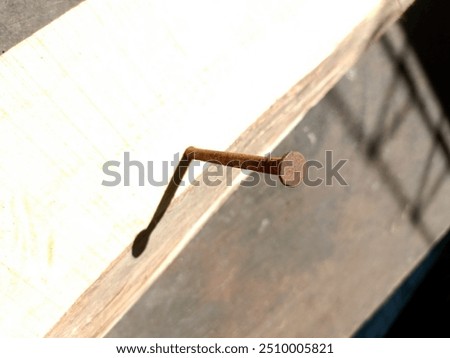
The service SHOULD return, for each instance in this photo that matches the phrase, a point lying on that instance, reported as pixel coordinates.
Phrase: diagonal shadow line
(436, 130)
(402, 68)
(386, 110)
(395, 186)
(377, 140)
(142, 239)
(425, 203)
(427, 29)
(425, 178)
(384, 130)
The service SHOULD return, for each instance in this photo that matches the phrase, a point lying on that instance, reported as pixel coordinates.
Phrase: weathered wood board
(321, 260)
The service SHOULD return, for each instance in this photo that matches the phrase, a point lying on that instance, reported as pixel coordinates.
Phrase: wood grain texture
(139, 77)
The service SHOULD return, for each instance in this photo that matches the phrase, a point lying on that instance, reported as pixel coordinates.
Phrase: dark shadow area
(427, 314)
(142, 239)
(420, 307)
(21, 18)
(427, 26)
(372, 142)
(427, 297)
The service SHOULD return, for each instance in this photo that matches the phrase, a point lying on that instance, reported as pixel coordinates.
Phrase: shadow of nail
(141, 241)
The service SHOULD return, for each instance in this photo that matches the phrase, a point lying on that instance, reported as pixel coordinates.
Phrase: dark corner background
(427, 314)
(421, 304)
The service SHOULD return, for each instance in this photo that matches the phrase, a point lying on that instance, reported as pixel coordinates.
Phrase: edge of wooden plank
(104, 303)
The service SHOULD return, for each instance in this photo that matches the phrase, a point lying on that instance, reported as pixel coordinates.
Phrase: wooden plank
(320, 260)
(138, 77)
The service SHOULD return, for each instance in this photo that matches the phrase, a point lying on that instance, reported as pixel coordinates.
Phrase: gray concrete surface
(21, 18)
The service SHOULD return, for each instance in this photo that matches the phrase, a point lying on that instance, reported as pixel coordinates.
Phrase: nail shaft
(268, 165)
(288, 168)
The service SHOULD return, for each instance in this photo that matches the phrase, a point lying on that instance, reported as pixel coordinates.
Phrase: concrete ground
(279, 249)
(21, 18)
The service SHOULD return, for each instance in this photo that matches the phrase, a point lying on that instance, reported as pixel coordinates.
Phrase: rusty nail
(289, 167)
